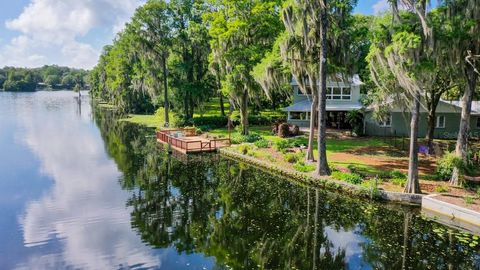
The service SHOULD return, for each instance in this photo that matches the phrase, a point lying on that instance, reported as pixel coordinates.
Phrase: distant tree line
(52, 77)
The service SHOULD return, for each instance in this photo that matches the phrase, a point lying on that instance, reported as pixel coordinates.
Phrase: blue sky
(73, 32)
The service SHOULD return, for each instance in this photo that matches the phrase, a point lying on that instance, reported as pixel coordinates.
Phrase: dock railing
(169, 136)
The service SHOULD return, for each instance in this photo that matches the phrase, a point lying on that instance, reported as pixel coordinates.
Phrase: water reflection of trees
(246, 218)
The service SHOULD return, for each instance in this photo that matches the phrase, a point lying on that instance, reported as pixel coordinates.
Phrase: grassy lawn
(145, 120)
(264, 131)
(333, 145)
(212, 108)
(350, 158)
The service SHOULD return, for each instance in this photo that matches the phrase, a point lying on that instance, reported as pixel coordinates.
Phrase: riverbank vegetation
(47, 77)
(217, 204)
(178, 58)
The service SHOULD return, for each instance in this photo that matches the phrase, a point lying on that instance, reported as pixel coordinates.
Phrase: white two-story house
(342, 96)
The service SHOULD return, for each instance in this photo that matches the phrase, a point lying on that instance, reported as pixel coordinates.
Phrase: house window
(387, 122)
(478, 122)
(440, 121)
(339, 93)
(298, 116)
(346, 93)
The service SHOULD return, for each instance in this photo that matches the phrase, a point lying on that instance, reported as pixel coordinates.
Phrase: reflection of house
(344, 96)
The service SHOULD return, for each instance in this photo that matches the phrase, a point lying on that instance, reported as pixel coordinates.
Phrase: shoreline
(327, 182)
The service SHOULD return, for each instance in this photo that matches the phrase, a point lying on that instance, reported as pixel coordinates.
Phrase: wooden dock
(186, 141)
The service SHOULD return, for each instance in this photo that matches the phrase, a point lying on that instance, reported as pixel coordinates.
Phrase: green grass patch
(351, 178)
(359, 168)
(145, 120)
(342, 145)
(302, 167)
(441, 189)
(264, 131)
(211, 108)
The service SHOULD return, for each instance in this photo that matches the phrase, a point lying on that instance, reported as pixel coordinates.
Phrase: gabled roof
(475, 106)
(443, 106)
(305, 105)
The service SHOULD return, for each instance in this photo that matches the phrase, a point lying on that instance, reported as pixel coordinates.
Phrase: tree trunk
(413, 186)
(165, 90)
(464, 130)
(431, 129)
(192, 105)
(322, 164)
(311, 135)
(222, 106)
(244, 113)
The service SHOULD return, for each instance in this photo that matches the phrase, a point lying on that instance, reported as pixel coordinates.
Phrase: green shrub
(291, 157)
(399, 181)
(352, 178)
(441, 189)
(302, 167)
(270, 158)
(205, 128)
(209, 121)
(372, 185)
(469, 200)
(446, 164)
(174, 119)
(236, 139)
(251, 138)
(262, 143)
(352, 168)
(244, 148)
(282, 145)
(355, 119)
(397, 174)
(256, 120)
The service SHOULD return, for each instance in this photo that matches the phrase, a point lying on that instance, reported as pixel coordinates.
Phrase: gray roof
(305, 105)
(475, 106)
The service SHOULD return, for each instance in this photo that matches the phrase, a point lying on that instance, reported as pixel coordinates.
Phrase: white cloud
(51, 30)
(381, 6)
(85, 209)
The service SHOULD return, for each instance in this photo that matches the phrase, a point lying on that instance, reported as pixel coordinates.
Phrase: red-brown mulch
(368, 156)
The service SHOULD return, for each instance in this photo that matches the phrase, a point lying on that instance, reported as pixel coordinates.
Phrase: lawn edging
(326, 182)
(451, 214)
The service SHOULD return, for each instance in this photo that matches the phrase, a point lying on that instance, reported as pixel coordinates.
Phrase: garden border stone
(451, 214)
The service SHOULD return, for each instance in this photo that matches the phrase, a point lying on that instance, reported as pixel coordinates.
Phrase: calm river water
(79, 190)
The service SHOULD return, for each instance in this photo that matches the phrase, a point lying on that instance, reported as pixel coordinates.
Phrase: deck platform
(186, 141)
